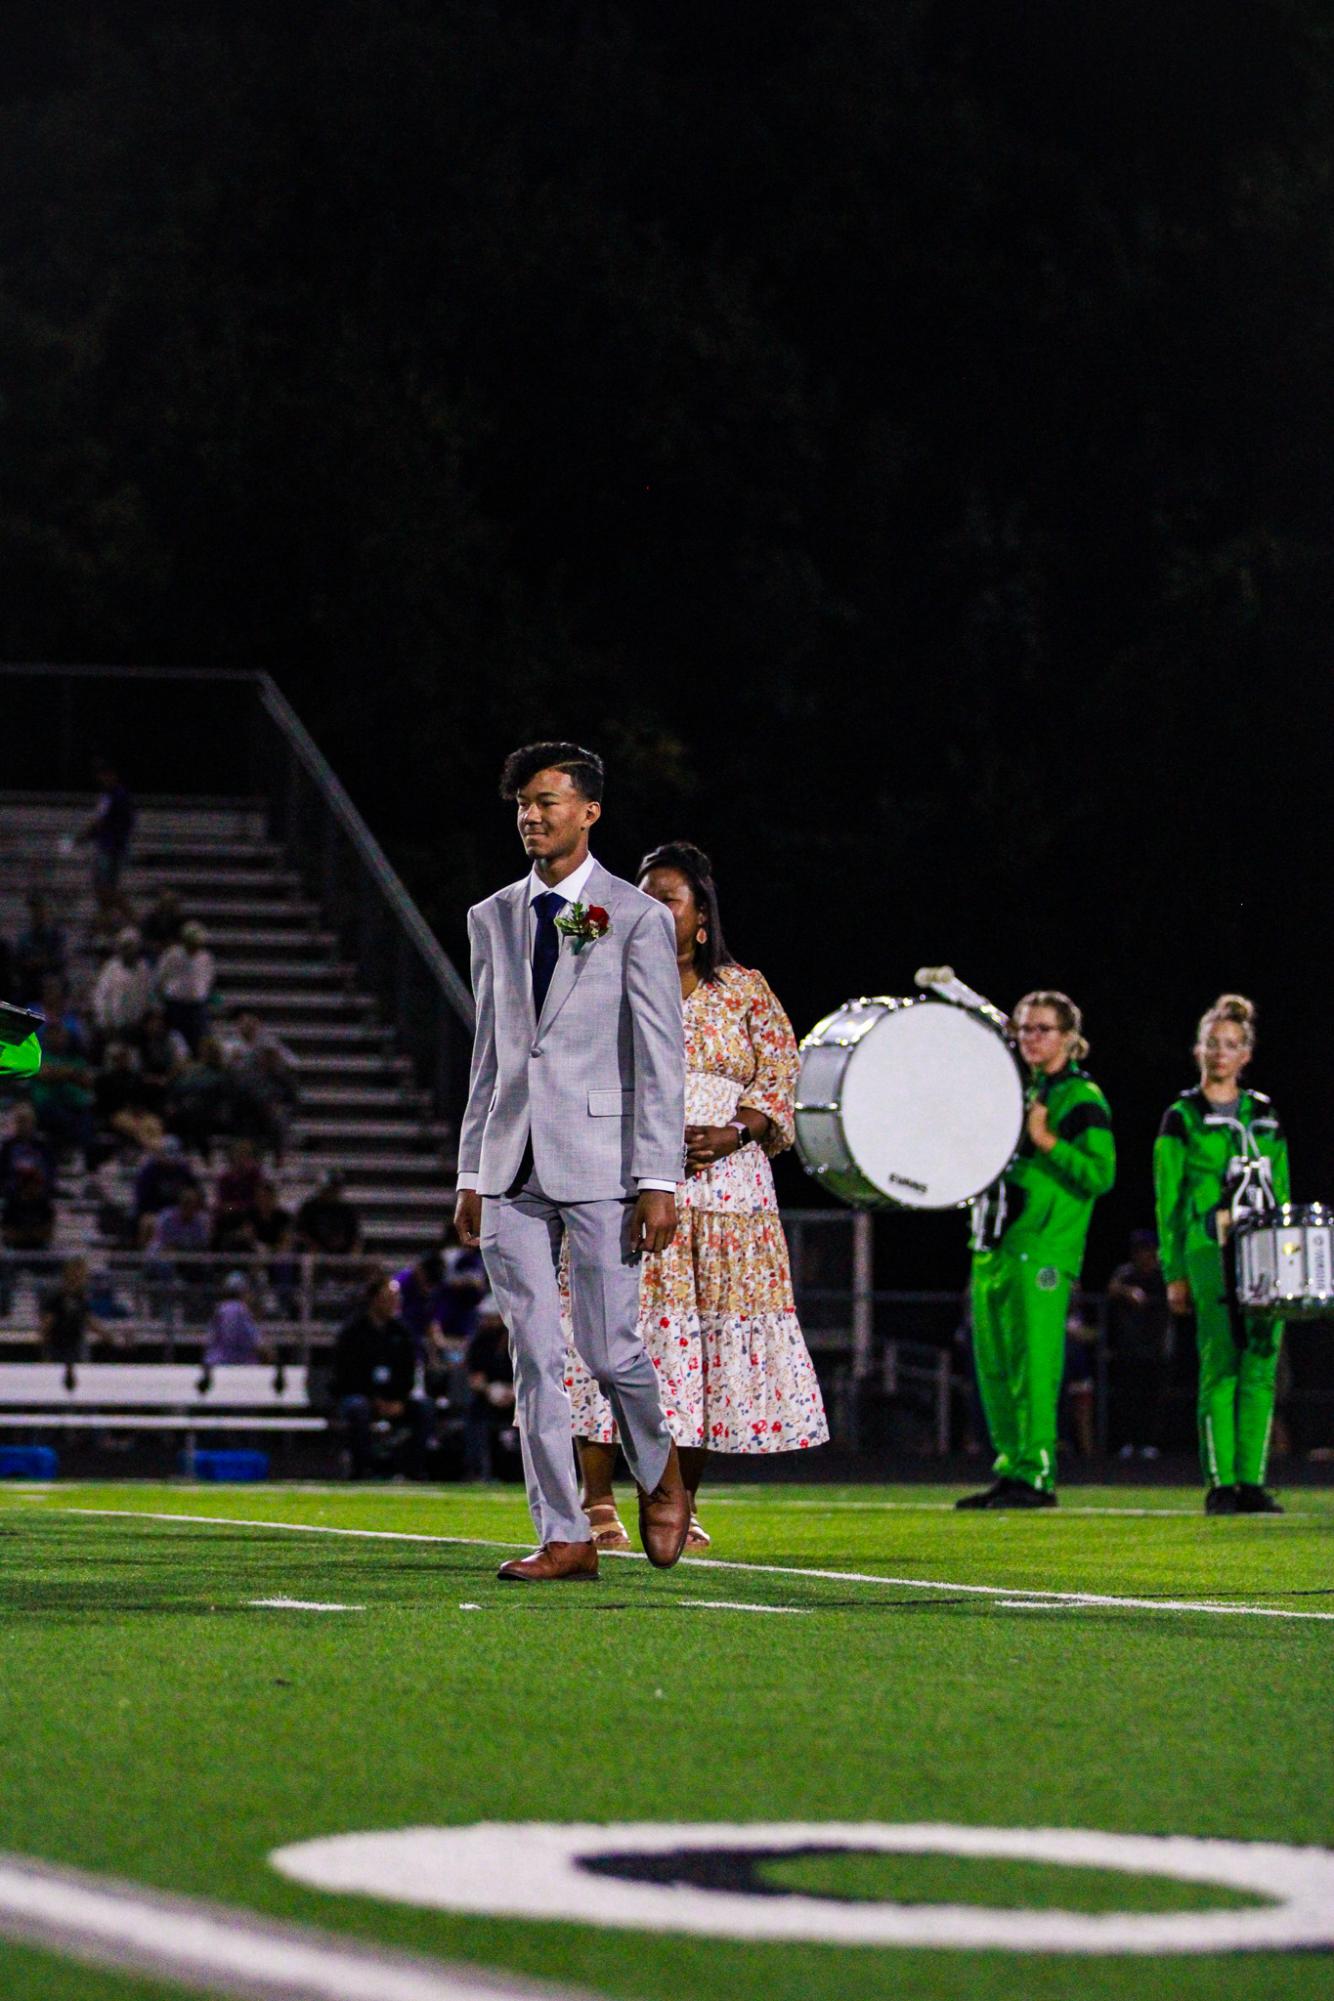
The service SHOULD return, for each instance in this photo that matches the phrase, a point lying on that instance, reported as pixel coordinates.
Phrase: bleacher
(277, 954)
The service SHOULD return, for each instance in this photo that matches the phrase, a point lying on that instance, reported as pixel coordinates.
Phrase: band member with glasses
(1028, 1247)
(1211, 1140)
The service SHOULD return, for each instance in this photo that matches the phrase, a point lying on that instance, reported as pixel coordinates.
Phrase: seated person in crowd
(234, 1196)
(198, 1099)
(25, 1147)
(162, 923)
(185, 977)
(123, 990)
(174, 1234)
(119, 1087)
(160, 1183)
(163, 1052)
(326, 1222)
(39, 951)
(490, 1421)
(62, 1092)
(66, 1315)
(421, 1303)
(1140, 1339)
(110, 918)
(234, 1336)
(271, 1233)
(57, 1004)
(374, 1373)
(27, 1226)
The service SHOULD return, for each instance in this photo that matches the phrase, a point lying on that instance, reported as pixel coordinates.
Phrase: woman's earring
(701, 937)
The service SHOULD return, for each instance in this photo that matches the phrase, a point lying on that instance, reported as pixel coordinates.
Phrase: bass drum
(908, 1104)
(1285, 1261)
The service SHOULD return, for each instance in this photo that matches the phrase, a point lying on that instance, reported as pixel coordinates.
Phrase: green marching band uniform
(21, 1059)
(1028, 1247)
(1196, 1158)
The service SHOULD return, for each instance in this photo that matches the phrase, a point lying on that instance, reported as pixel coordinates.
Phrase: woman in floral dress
(717, 1313)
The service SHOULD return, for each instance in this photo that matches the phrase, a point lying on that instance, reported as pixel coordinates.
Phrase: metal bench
(155, 1396)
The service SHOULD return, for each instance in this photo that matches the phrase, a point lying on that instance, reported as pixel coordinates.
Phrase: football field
(866, 1747)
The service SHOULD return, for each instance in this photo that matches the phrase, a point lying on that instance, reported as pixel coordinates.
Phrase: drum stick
(942, 980)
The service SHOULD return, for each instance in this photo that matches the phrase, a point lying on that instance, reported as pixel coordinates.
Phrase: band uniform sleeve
(1169, 1176)
(1084, 1156)
(21, 1059)
(1282, 1176)
(773, 1088)
(482, 1076)
(653, 988)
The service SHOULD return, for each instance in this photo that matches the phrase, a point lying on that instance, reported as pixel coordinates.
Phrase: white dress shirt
(571, 888)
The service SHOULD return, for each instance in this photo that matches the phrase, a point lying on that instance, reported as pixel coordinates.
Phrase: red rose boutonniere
(584, 926)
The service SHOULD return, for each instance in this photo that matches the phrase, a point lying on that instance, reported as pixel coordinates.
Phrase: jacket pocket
(611, 1104)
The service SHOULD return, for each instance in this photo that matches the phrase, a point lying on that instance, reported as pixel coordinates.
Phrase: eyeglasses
(1037, 1028)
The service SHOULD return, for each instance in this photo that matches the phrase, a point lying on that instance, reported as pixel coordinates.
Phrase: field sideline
(194, 1677)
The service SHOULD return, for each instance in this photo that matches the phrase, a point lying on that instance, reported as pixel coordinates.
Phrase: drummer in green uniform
(1215, 1141)
(1028, 1247)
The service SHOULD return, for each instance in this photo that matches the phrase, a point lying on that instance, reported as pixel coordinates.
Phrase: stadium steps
(359, 1109)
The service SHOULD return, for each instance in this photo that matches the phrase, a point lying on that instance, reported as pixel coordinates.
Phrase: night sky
(898, 436)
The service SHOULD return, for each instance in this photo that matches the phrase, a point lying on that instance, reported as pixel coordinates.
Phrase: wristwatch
(740, 1126)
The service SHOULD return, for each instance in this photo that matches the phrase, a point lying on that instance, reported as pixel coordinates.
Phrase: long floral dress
(716, 1310)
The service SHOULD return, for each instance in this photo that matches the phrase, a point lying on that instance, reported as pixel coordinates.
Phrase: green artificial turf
(155, 1726)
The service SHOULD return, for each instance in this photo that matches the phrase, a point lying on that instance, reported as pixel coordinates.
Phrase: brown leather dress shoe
(664, 1516)
(554, 1563)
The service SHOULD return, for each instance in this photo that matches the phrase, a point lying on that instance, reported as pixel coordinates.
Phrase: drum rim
(1285, 1216)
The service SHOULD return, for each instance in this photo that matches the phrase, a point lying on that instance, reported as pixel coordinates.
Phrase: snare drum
(908, 1104)
(1285, 1261)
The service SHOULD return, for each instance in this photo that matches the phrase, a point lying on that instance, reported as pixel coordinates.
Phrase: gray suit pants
(521, 1243)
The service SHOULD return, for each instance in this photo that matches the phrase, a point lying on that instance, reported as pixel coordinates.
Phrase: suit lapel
(570, 964)
(516, 932)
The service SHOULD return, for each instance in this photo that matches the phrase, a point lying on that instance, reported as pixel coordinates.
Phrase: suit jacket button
(535, 1052)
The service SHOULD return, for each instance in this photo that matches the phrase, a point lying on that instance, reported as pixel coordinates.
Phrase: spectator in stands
(271, 1234)
(374, 1372)
(109, 830)
(198, 1099)
(490, 1420)
(57, 1004)
(163, 1052)
(119, 1087)
(111, 917)
(27, 1226)
(422, 1304)
(39, 952)
(62, 1093)
(176, 1232)
(234, 1335)
(124, 989)
(326, 1222)
(234, 1197)
(186, 975)
(162, 924)
(1140, 1334)
(66, 1316)
(1080, 1377)
(159, 1184)
(25, 1147)
(246, 1042)
(264, 1100)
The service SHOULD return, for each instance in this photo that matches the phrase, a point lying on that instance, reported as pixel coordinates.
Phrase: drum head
(932, 1105)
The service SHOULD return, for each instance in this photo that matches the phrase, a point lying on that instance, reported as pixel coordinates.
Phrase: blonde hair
(1067, 1014)
(1229, 1007)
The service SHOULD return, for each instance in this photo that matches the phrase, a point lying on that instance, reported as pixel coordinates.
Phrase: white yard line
(737, 1605)
(188, 1942)
(1204, 1605)
(300, 1605)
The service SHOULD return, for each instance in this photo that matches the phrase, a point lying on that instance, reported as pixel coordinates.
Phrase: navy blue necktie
(546, 945)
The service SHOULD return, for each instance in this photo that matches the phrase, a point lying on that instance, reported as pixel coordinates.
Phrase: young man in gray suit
(575, 1128)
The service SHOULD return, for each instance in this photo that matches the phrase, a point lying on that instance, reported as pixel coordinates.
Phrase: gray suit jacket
(599, 1083)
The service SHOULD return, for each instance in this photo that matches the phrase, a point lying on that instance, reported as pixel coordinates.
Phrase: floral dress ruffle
(717, 1314)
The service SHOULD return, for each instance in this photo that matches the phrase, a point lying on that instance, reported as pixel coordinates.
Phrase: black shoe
(1222, 1501)
(1018, 1494)
(1256, 1501)
(986, 1499)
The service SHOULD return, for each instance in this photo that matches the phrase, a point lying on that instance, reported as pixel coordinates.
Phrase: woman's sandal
(607, 1526)
(696, 1536)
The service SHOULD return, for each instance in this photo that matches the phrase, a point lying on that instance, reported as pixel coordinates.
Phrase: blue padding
(231, 1466)
(28, 1462)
